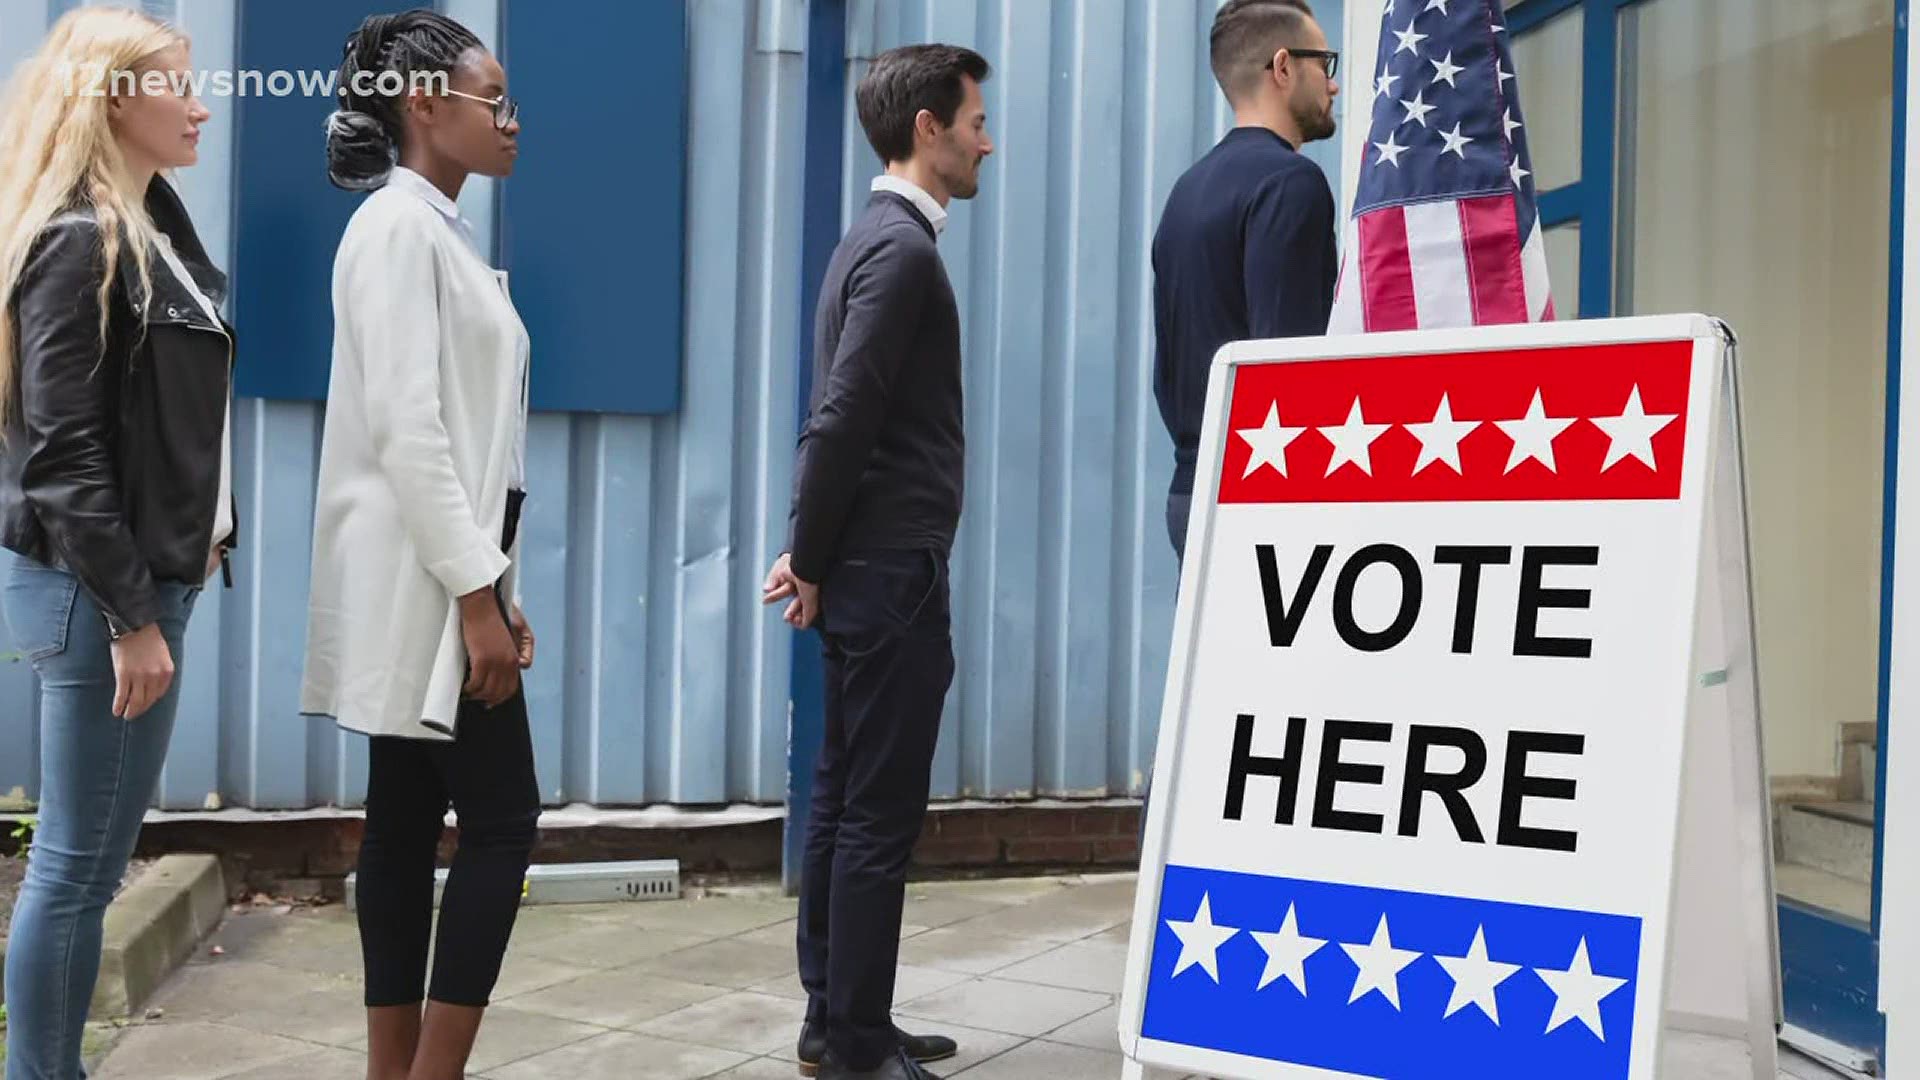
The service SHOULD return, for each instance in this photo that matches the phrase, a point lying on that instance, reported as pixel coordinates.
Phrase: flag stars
(1507, 121)
(1384, 85)
(1390, 152)
(1456, 143)
(1437, 5)
(1409, 40)
(1514, 170)
(1504, 76)
(1445, 70)
(1417, 109)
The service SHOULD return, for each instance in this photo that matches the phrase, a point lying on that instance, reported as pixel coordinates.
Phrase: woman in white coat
(413, 637)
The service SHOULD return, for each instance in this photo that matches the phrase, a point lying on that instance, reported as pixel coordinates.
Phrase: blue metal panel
(826, 87)
(1830, 972)
(591, 219)
(288, 216)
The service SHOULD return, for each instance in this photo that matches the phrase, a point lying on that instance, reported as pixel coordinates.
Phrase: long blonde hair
(60, 150)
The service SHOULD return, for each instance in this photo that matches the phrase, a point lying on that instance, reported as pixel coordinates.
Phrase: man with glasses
(1245, 247)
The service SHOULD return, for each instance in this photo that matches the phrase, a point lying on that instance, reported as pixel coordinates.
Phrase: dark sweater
(1244, 250)
(882, 454)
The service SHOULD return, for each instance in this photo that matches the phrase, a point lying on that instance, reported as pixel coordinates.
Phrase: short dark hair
(1246, 34)
(905, 80)
(364, 134)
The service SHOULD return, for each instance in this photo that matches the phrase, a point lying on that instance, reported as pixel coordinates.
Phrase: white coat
(425, 422)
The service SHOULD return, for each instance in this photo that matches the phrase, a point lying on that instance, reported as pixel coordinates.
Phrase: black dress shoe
(921, 1048)
(898, 1067)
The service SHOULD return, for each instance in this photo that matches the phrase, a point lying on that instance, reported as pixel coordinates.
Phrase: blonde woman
(114, 477)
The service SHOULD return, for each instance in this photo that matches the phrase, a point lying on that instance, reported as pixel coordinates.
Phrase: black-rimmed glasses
(505, 109)
(1329, 59)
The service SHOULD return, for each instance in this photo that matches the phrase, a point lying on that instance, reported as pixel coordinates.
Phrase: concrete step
(1819, 889)
(1832, 836)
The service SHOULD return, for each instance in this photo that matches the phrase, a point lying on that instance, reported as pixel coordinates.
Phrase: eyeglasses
(1329, 59)
(505, 109)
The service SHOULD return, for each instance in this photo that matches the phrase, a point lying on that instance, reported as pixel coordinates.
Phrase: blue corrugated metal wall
(661, 679)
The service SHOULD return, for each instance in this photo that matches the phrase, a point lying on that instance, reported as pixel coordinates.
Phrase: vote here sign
(1416, 797)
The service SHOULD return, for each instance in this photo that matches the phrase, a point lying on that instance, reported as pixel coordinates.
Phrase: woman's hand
(142, 671)
(493, 662)
(522, 637)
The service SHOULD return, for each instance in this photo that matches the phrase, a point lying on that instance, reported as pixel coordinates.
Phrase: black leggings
(486, 774)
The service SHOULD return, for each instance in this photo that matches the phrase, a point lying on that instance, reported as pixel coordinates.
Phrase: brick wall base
(311, 857)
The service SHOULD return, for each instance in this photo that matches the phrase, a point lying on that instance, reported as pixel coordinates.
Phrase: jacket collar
(173, 300)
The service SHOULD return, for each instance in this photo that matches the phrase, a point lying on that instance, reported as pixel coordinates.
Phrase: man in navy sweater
(876, 500)
(1245, 246)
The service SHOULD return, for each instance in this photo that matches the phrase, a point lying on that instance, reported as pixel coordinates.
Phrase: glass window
(1756, 142)
(1563, 269)
(1549, 59)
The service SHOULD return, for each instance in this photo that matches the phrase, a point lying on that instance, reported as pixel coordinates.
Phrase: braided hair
(365, 133)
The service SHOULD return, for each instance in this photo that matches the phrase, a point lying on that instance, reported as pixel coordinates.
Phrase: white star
(1632, 432)
(1385, 84)
(1417, 109)
(1388, 14)
(1577, 992)
(1351, 441)
(1440, 437)
(1445, 70)
(1287, 952)
(1390, 152)
(1533, 434)
(1504, 76)
(1456, 143)
(1409, 41)
(1269, 442)
(1510, 123)
(1380, 965)
(1200, 940)
(1437, 5)
(1474, 978)
(1517, 172)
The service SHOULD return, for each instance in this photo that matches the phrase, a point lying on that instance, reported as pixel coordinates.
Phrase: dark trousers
(886, 624)
(486, 775)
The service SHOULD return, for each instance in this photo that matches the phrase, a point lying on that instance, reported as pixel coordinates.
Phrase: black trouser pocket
(872, 598)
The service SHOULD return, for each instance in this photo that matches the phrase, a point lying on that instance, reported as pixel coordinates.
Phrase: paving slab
(1024, 973)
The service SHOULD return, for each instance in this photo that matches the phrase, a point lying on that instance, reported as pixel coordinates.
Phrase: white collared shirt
(223, 509)
(407, 180)
(935, 214)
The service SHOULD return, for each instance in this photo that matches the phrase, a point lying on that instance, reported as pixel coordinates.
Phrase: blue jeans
(97, 777)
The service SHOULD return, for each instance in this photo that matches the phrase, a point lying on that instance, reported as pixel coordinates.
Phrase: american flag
(1446, 227)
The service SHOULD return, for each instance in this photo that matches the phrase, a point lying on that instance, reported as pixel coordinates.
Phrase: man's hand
(782, 584)
(493, 661)
(522, 637)
(142, 671)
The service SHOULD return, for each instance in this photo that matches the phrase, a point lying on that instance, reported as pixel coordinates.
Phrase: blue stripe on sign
(1440, 1027)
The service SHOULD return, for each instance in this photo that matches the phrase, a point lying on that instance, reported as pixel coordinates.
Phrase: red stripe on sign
(1386, 272)
(1546, 423)
(1490, 227)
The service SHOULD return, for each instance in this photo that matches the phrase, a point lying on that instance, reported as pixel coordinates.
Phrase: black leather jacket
(111, 462)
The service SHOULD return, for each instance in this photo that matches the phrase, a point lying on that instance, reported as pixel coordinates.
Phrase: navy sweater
(1245, 249)
(882, 455)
